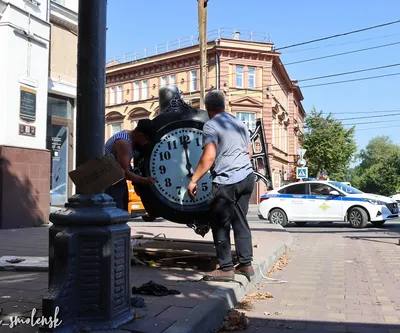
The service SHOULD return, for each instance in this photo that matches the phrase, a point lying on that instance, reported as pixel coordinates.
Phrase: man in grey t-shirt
(227, 152)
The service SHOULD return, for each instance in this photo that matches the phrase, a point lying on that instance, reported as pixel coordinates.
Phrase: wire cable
(338, 35)
(342, 53)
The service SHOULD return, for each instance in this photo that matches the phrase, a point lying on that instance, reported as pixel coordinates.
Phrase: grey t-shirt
(232, 163)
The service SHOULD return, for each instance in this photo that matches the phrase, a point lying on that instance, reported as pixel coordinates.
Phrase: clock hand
(188, 165)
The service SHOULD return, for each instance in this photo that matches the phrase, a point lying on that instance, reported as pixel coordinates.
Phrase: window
(163, 81)
(136, 89)
(115, 128)
(249, 119)
(295, 189)
(346, 188)
(112, 95)
(144, 89)
(119, 94)
(320, 189)
(172, 79)
(252, 78)
(273, 130)
(239, 76)
(193, 80)
(286, 148)
(60, 107)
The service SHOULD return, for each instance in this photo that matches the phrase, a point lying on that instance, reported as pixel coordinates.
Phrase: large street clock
(172, 158)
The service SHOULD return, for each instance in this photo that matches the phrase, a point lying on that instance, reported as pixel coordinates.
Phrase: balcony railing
(181, 43)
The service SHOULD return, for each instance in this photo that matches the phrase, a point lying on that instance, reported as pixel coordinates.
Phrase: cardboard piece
(96, 175)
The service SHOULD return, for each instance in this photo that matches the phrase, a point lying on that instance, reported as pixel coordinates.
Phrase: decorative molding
(63, 16)
(247, 102)
(114, 116)
(138, 112)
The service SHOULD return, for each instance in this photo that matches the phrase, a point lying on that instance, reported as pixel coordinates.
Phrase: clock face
(173, 161)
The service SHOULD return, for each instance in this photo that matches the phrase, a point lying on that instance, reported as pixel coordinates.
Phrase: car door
(323, 205)
(296, 201)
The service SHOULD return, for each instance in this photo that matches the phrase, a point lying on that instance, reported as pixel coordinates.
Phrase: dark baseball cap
(324, 172)
(146, 126)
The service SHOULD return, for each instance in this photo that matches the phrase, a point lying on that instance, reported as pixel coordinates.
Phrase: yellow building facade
(252, 76)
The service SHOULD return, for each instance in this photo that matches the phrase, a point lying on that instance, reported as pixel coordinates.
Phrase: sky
(134, 25)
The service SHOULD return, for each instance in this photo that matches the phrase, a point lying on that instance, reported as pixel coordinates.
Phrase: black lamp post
(89, 241)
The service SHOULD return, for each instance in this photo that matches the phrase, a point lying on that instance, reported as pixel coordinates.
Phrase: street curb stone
(205, 317)
(29, 264)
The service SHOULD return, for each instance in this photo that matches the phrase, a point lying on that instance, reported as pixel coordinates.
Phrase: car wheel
(278, 216)
(148, 218)
(378, 223)
(301, 224)
(358, 217)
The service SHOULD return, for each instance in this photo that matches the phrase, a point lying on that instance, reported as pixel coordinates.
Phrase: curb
(28, 264)
(205, 317)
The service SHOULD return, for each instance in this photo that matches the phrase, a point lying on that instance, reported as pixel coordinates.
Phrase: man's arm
(207, 160)
(122, 148)
(249, 146)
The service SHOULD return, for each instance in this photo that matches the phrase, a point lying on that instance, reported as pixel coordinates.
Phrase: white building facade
(32, 84)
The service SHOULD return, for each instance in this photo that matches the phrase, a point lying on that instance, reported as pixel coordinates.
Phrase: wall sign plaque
(27, 130)
(27, 109)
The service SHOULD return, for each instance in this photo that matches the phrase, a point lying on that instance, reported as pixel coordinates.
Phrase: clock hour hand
(188, 165)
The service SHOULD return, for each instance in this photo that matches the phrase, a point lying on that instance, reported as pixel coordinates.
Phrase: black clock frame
(154, 202)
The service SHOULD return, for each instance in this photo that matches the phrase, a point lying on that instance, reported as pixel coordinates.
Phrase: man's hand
(148, 180)
(192, 190)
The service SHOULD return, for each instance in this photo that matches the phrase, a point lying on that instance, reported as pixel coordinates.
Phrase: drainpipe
(217, 65)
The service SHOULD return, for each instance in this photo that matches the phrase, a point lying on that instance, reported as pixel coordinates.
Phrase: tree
(329, 145)
(379, 169)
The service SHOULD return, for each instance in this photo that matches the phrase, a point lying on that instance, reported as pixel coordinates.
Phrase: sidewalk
(200, 307)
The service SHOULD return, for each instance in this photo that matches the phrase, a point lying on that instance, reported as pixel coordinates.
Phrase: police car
(329, 201)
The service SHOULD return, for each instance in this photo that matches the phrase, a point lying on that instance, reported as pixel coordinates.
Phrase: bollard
(89, 265)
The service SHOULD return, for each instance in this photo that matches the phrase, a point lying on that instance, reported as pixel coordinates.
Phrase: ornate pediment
(114, 115)
(247, 102)
(138, 113)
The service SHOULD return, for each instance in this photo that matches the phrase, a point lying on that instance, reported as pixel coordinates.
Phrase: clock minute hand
(188, 165)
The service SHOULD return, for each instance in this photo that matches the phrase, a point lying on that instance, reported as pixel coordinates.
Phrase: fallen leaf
(234, 321)
(267, 313)
(289, 305)
(278, 313)
(282, 262)
(260, 296)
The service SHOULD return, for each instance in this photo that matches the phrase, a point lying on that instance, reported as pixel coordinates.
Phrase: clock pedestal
(89, 264)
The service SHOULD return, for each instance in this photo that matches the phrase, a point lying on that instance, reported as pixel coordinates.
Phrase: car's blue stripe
(314, 197)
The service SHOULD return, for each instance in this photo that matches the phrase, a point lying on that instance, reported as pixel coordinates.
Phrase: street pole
(202, 13)
(89, 241)
(90, 120)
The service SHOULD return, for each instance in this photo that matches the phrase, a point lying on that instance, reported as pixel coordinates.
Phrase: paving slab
(199, 308)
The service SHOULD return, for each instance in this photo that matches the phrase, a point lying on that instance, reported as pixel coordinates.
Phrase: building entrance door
(60, 143)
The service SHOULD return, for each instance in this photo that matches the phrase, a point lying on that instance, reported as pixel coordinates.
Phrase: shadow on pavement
(274, 325)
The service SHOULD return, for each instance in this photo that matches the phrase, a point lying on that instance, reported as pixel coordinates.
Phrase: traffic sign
(301, 173)
(301, 153)
(301, 163)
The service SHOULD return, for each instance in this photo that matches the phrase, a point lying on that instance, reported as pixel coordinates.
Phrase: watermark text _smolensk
(50, 322)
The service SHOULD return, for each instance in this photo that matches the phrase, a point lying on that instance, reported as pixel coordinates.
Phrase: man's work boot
(220, 275)
(246, 270)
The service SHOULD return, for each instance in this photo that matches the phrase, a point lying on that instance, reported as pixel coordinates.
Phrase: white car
(319, 201)
(396, 197)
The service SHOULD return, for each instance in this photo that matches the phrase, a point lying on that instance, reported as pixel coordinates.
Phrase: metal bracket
(260, 155)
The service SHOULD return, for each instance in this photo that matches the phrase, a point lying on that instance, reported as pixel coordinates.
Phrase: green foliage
(379, 170)
(329, 145)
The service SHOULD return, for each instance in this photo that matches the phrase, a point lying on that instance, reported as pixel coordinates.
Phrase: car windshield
(346, 188)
